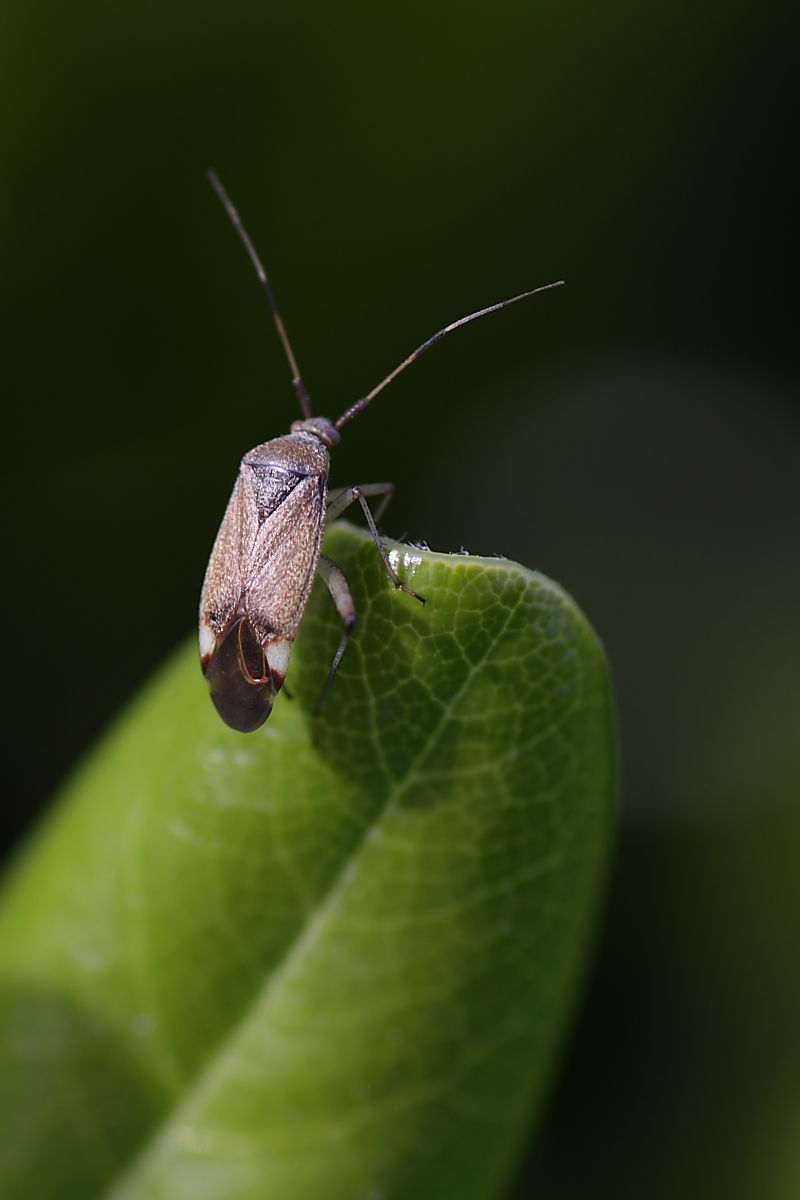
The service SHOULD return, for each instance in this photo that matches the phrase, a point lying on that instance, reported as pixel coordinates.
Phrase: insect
(267, 551)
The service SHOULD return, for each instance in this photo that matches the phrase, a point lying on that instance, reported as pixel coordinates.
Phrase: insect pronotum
(267, 551)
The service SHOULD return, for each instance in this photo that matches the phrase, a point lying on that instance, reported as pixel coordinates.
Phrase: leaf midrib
(204, 1079)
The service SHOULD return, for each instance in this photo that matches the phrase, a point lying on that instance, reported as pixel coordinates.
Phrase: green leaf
(242, 966)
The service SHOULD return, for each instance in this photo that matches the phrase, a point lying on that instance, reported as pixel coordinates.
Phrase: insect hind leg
(344, 497)
(341, 595)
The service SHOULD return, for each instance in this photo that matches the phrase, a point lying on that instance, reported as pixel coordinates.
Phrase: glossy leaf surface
(246, 966)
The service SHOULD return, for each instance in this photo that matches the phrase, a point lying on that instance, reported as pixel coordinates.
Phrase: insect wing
(257, 586)
(280, 567)
(224, 582)
(239, 678)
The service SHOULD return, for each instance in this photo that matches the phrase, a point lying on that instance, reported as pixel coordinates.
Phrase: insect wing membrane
(239, 678)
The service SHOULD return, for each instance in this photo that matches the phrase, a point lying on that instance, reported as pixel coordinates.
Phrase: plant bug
(267, 551)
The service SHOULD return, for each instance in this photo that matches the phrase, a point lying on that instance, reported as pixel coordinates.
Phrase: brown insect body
(267, 551)
(261, 570)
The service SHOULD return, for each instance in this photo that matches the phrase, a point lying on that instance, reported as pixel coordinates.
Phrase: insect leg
(340, 498)
(340, 593)
(346, 496)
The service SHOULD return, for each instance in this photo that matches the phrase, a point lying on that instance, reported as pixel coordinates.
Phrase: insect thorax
(320, 427)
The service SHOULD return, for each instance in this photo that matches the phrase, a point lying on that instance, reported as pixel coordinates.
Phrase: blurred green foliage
(635, 435)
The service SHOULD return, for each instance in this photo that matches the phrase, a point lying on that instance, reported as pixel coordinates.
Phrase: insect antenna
(297, 382)
(361, 404)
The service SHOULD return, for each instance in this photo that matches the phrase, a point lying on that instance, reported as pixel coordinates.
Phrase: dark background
(635, 435)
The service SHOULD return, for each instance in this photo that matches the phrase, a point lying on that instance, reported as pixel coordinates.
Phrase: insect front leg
(341, 498)
(344, 497)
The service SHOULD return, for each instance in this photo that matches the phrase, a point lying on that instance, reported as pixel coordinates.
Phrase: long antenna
(361, 404)
(297, 382)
